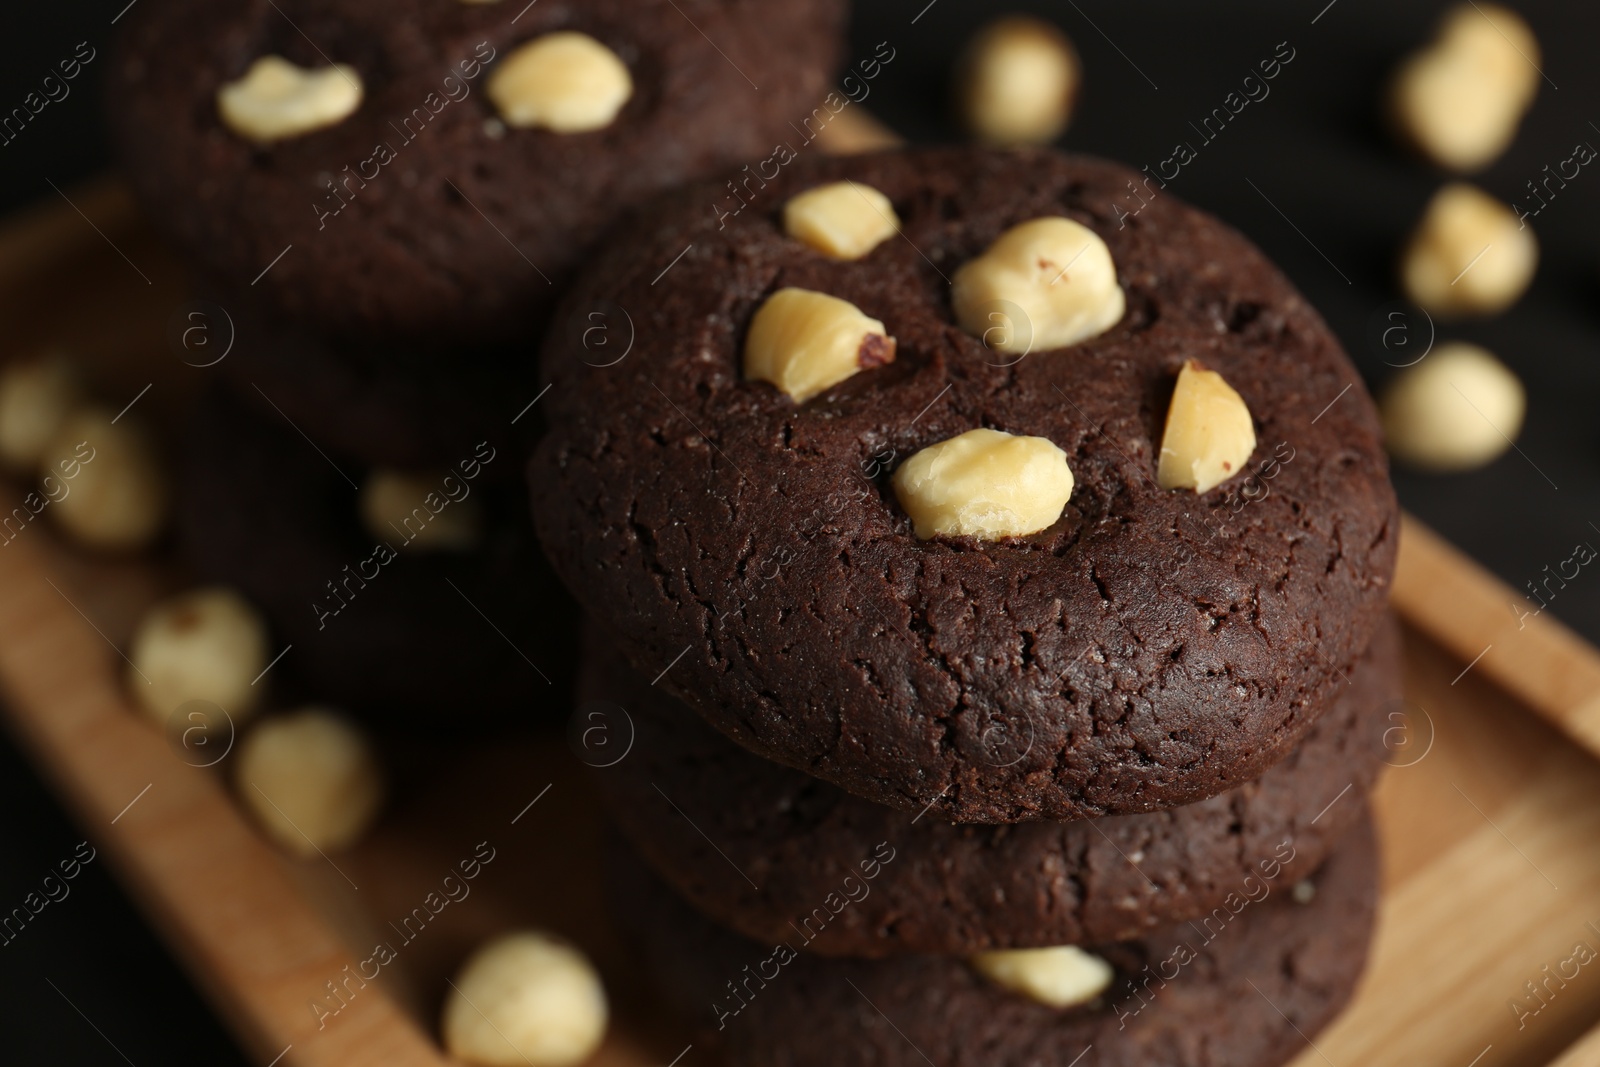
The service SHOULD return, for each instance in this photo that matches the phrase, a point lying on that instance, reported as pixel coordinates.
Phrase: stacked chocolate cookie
(994, 585)
(381, 202)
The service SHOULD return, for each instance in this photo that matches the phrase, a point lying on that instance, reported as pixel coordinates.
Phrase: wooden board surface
(1489, 818)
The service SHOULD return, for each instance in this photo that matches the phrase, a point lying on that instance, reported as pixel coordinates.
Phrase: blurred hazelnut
(843, 220)
(311, 780)
(34, 398)
(1458, 409)
(525, 999)
(419, 510)
(276, 100)
(107, 488)
(1459, 100)
(567, 82)
(206, 644)
(1468, 255)
(1017, 82)
(1061, 976)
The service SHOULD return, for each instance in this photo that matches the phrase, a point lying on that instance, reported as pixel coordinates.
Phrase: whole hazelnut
(34, 399)
(1469, 255)
(107, 488)
(206, 644)
(1458, 409)
(311, 779)
(523, 999)
(1017, 81)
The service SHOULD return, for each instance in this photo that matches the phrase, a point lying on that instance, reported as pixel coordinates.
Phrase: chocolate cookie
(1151, 647)
(1248, 986)
(388, 629)
(396, 194)
(382, 404)
(699, 809)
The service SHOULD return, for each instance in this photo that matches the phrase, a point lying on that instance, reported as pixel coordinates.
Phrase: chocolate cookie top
(1246, 987)
(392, 631)
(698, 808)
(418, 209)
(1149, 648)
(376, 404)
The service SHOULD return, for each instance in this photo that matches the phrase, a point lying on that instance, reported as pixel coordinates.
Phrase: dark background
(1315, 147)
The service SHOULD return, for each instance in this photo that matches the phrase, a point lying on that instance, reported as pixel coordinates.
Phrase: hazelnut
(311, 780)
(843, 220)
(1460, 99)
(206, 644)
(525, 1000)
(106, 487)
(984, 484)
(276, 100)
(419, 510)
(805, 342)
(1209, 434)
(567, 82)
(1017, 80)
(1457, 409)
(1062, 976)
(1468, 255)
(34, 398)
(1044, 284)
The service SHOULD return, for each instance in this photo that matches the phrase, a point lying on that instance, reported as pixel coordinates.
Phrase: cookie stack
(381, 202)
(994, 586)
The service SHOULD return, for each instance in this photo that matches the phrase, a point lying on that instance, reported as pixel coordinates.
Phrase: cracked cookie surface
(422, 216)
(1149, 649)
(954, 889)
(1245, 987)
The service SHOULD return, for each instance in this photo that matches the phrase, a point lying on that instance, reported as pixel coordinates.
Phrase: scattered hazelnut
(276, 100)
(311, 780)
(1468, 255)
(34, 398)
(106, 487)
(1457, 409)
(844, 220)
(206, 644)
(1062, 976)
(1017, 81)
(984, 484)
(1209, 434)
(417, 509)
(1460, 99)
(567, 82)
(805, 342)
(525, 1000)
(1044, 284)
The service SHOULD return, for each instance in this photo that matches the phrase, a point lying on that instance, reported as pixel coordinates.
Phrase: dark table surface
(1308, 172)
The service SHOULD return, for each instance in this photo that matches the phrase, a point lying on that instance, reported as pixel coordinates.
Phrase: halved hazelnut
(1209, 435)
(842, 220)
(804, 342)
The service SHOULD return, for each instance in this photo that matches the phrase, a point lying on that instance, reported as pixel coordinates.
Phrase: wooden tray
(1489, 818)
